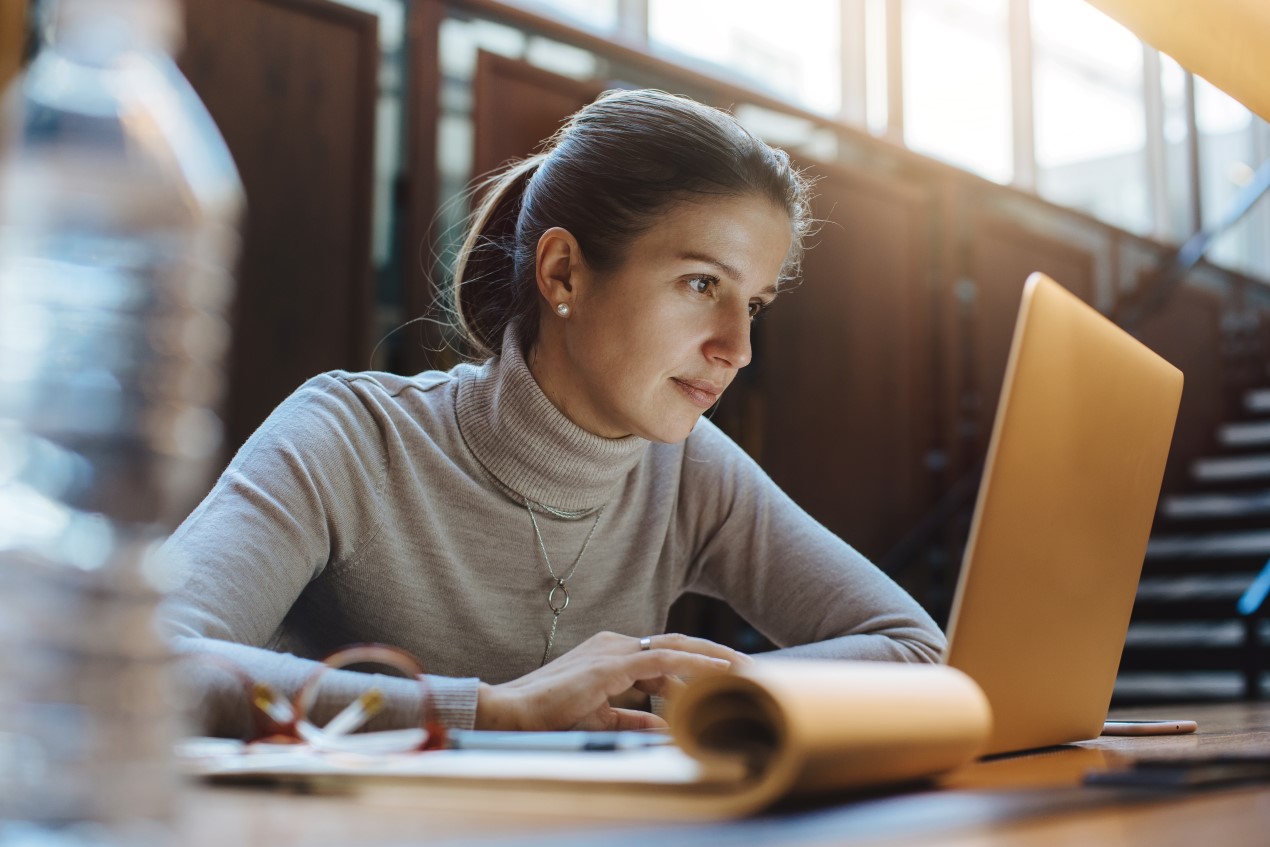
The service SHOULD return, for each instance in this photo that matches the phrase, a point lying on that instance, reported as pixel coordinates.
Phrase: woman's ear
(558, 268)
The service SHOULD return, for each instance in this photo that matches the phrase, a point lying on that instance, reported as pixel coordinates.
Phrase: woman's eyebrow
(710, 260)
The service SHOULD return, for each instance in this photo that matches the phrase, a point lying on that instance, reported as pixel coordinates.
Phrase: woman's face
(648, 348)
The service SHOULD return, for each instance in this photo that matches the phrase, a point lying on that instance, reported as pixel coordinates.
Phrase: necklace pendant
(558, 605)
(554, 603)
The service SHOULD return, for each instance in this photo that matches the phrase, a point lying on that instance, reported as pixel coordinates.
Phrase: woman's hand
(573, 691)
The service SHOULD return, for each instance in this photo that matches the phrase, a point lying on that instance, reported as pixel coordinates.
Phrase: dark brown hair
(605, 176)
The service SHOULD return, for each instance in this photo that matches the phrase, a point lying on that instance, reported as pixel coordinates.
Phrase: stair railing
(1252, 608)
(1154, 295)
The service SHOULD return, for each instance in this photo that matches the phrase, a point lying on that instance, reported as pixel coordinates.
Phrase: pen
(567, 741)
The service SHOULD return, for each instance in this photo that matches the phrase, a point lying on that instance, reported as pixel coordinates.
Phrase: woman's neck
(529, 444)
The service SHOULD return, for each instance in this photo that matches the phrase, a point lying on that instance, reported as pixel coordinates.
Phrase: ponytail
(487, 287)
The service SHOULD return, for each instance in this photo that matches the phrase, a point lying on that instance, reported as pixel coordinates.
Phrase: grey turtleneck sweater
(373, 507)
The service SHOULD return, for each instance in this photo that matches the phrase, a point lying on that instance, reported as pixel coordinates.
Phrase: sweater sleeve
(805, 589)
(300, 497)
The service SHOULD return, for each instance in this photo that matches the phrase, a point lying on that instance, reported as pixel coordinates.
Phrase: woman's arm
(302, 495)
(804, 588)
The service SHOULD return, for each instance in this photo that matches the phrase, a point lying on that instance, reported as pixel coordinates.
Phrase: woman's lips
(700, 391)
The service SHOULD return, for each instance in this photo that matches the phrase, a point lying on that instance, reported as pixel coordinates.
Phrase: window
(957, 83)
(1229, 138)
(789, 50)
(1177, 169)
(1090, 114)
(599, 15)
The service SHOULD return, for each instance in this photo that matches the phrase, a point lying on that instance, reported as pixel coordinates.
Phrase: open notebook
(743, 741)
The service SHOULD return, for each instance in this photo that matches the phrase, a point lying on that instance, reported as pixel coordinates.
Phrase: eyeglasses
(277, 720)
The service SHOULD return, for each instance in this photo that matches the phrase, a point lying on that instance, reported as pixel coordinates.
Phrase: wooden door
(292, 86)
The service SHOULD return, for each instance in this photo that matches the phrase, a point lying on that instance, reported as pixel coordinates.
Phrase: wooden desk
(1029, 800)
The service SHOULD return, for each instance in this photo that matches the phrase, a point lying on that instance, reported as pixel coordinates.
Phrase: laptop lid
(1060, 528)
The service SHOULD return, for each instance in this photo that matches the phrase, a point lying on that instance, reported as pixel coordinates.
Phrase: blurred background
(959, 144)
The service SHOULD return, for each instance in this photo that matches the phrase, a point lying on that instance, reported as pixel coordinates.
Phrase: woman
(523, 525)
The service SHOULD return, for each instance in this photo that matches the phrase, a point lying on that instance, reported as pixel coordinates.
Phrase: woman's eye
(702, 284)
(757, 308)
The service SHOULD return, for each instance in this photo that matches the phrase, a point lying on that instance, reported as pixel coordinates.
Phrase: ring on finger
(646, 643)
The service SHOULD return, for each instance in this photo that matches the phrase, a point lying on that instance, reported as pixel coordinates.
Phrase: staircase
(1197, 624)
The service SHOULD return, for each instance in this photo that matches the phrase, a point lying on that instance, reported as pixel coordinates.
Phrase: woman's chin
(673, 432)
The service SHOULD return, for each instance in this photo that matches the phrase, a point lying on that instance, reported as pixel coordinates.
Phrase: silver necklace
(558, 604)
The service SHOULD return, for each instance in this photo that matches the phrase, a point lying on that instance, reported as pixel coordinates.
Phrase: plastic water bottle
(119, 206)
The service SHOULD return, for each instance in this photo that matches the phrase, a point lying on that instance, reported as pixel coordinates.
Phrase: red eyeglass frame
(277, 720)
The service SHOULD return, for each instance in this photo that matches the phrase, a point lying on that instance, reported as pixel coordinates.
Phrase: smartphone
(1148, 727)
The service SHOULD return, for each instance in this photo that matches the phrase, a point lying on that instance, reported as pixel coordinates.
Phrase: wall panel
(845, 363)
(420, 283)
(1000, 254)
(292, 85)
(517, 106)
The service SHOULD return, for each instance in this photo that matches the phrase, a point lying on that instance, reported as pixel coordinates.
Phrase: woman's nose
(730, 343)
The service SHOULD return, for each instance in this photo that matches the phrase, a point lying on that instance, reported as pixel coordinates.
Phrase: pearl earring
(562, 309)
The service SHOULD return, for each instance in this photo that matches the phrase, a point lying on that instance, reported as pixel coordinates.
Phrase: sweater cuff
(453, 700)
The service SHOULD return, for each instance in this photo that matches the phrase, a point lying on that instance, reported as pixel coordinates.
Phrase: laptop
(1060, 528)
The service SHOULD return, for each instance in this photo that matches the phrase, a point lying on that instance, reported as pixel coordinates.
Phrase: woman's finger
(692, 644)
(633, 719)
(651, 664)
(662, 686)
